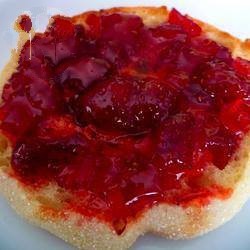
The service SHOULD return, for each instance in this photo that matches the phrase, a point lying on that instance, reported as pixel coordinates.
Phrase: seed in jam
(125, 116)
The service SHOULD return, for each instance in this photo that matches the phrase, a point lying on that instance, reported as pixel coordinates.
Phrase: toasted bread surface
(43, 207)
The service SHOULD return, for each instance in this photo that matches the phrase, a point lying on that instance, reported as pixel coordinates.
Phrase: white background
(231, 16)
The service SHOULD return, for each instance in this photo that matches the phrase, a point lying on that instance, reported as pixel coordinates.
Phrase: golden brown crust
(151, 15)
(237, 47)
(168, 220)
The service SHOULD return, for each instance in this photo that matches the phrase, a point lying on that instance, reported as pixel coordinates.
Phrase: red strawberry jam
(25, 23)
(125, 116)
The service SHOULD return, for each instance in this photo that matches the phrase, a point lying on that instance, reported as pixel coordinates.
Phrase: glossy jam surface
(125, 116)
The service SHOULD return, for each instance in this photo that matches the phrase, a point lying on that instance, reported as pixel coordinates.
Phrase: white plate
(232, 16)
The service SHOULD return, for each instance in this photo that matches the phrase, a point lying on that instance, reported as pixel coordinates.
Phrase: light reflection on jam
(123, 115)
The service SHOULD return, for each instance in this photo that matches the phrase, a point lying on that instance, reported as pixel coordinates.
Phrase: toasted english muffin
(43, 206)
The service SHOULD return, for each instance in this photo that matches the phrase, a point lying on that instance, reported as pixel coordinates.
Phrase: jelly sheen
(125, 116)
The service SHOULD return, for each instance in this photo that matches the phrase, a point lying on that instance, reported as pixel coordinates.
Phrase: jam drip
(125, 116)
(25, 23)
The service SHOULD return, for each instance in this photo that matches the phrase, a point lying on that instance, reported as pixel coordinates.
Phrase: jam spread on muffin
(125, 116)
